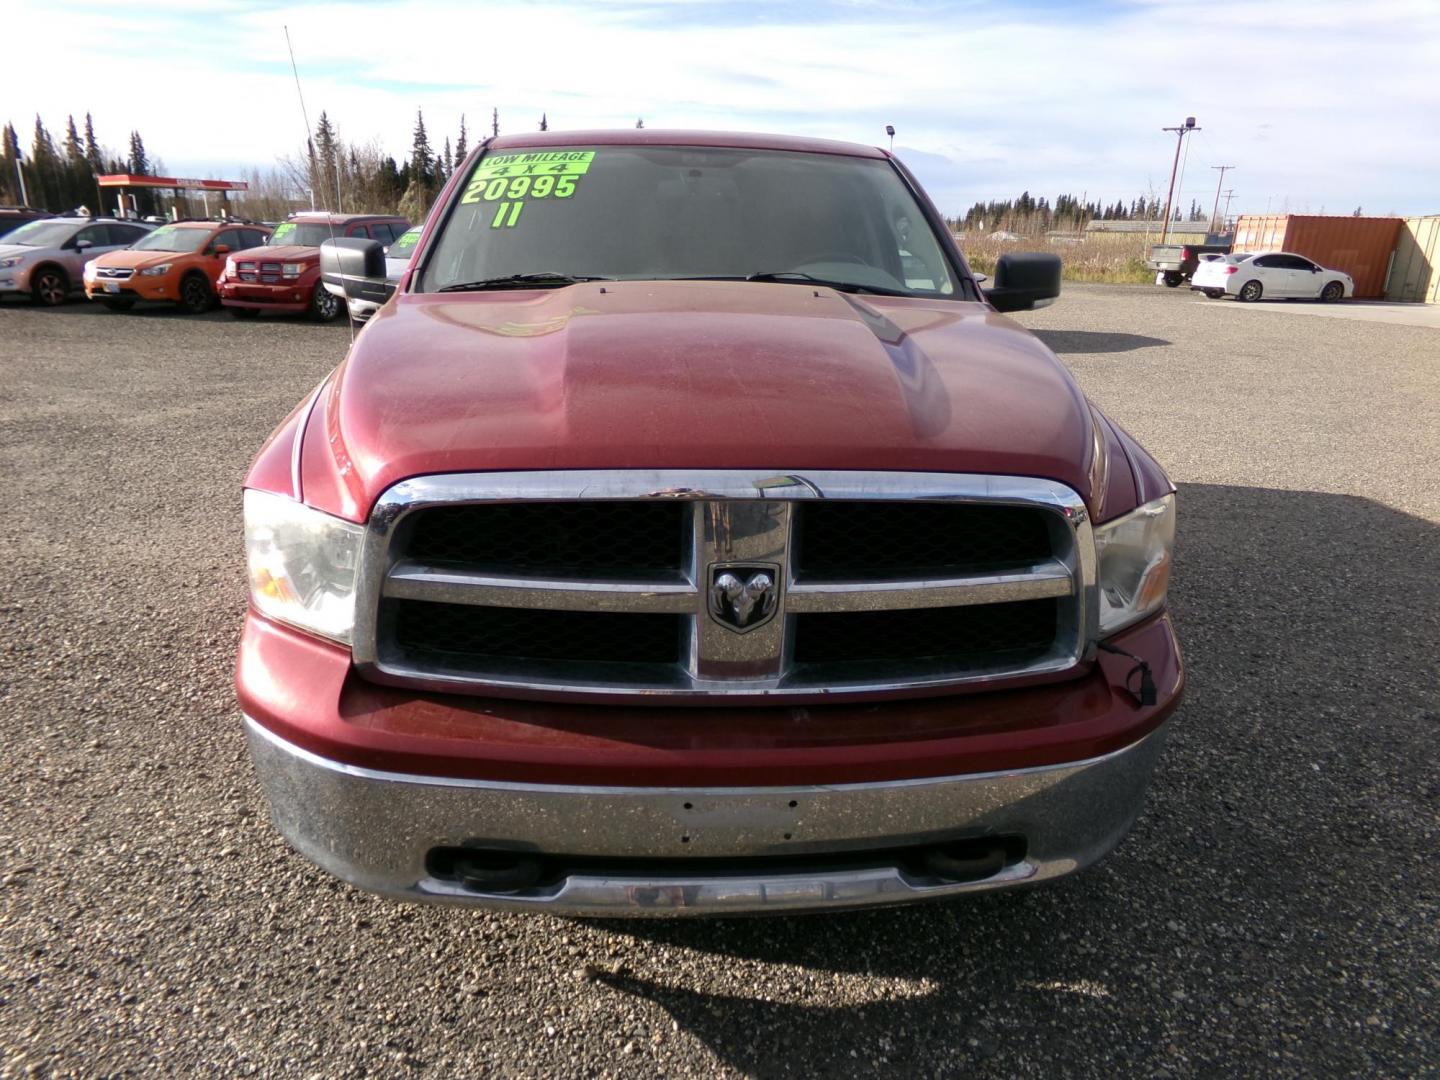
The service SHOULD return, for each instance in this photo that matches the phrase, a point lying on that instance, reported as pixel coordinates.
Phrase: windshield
(404, 247)
(304, 233)
(45, 233)
(172, 238)
(656, 212)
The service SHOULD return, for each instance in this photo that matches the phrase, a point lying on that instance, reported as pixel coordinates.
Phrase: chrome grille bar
(736, 519)
(416, 581)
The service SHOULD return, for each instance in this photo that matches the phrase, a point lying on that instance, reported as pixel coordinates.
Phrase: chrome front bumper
(376, 829)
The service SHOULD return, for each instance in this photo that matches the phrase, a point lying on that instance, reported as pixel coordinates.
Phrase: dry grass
(1117, 258)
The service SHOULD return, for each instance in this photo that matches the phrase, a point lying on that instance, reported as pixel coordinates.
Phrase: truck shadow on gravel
(1096, 341)
(1268, 907)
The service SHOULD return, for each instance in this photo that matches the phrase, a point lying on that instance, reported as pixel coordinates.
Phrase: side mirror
(1024, 281)
(221, 249)
(355, 267)
(81, 245)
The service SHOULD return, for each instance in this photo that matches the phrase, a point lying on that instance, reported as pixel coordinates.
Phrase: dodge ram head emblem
(743, 597)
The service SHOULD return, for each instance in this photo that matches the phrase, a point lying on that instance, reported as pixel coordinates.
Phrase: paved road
(1274, 913)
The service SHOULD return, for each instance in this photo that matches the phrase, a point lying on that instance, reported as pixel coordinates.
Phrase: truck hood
(280, 253)
(715, 375)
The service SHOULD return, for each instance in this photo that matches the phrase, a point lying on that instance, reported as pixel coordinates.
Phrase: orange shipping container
(1360, 246)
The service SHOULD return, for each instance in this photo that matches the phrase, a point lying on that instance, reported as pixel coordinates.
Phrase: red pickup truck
(692, 534)
(284, 275)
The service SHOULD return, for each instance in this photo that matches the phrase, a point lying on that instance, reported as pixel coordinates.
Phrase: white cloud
(1053, 98)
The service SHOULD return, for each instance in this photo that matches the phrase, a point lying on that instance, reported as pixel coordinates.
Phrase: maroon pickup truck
(284, 276)
(690, 533)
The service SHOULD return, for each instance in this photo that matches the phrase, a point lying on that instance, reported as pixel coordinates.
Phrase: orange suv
(177, 263)
(285, 276)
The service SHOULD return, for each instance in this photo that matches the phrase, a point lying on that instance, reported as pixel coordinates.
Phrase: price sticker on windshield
(508, 180)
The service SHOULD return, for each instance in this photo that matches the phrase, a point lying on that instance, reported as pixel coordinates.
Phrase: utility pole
(1219, 184)
(1180, 133)
(1228, 196)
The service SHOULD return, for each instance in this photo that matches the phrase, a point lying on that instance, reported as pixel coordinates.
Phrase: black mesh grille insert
(877, 540)
(478, 634)
(560, 539)
(958, 636)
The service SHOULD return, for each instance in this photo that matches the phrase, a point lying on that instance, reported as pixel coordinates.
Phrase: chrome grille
(114, 273)
(629, 583)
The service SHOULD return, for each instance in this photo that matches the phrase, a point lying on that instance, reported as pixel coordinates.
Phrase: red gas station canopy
(124, 180)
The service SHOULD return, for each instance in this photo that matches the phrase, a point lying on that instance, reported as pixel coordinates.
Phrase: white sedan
(1270, 274)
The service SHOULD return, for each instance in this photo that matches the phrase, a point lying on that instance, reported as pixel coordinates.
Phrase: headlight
(155, 271)
(1134, 554)
(302, 564)
(14, 260)
(229, 267)
(292, 269)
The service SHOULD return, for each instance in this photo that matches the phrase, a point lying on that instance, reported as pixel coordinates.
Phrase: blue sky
(1320, 105)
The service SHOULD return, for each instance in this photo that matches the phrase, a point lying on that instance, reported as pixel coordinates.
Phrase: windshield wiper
(542, 279)
(801, 277)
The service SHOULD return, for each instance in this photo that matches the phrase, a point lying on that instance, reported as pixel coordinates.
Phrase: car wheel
(194, 295)
(50, 286)
(244, 312)
(1214, 294)
(1332, 292)
(324, 305)
(1173, 278)
(118, 305)
(1250, 292)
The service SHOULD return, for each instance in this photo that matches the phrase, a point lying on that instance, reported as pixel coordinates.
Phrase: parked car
(46, 259)
(671, 542)
(284, 275)
(397, 259)
(177, 264)
(1174, 264)
(12, 217)
(1271, 274)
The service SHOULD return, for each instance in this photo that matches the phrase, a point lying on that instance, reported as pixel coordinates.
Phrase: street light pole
(1180, 133)
(1218, 185)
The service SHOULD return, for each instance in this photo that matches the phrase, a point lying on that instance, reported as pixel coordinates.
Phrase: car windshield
(45, 233)
(660, 212)
(304, 233)
(172, 238)
(404, 247)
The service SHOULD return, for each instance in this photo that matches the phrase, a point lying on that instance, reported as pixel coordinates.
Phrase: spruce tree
(45, 179)
(494, 122)
(449, 161)
(139, 165)
(324, 161)
(462, 147)
(544, 122)
(10, 167)
(92, 148)
(422, 158)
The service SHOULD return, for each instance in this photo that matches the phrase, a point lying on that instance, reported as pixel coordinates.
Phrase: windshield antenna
(310, 148)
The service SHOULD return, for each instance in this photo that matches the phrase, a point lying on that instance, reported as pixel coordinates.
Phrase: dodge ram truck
(284, 275)
(689, 533)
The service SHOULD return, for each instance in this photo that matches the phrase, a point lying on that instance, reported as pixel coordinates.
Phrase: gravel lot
(1274, 912)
